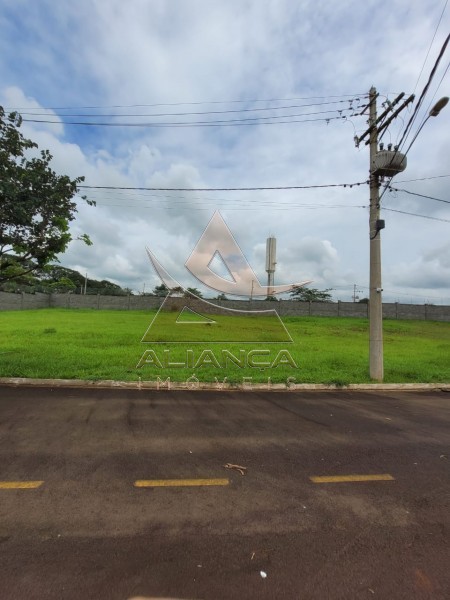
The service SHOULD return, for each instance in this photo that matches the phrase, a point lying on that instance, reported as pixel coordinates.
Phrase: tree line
(53, 279)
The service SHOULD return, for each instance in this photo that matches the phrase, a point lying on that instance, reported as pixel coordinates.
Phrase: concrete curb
(193, 384)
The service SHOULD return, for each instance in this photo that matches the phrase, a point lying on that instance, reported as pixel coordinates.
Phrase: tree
(304, 294)
(63, 285)
(191, 292)
(178, 291)
(51, 274)
(36, 204)
(160, 290)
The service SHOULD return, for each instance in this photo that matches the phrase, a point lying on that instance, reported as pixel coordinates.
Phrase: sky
(238, 94)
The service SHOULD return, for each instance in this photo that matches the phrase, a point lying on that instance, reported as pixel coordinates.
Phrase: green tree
(54, 273)
(36, 204)
(63, 285)
(192, 291)
(178, 291)
(160, 290)
(304, 294)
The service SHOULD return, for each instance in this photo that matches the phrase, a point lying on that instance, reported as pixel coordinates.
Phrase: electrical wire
(427, 112)
(243, 206)
(416, 194)
(387, 185)
(356, 97)
(422, 178)
(225, 189)
(183, 114)
(431, 44)
(403, 212)
(424, 91)
(158, 199)
(272, 119)
(233, 207)
(155, 199)
(229, 123)
(392, 291)
(415, 112)
(124, 198)
(120, 195)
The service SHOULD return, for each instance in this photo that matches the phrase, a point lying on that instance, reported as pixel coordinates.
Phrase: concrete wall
(23, 301)
(104, 302)
(9, 301)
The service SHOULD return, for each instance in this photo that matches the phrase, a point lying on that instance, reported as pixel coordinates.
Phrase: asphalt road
(74, 525)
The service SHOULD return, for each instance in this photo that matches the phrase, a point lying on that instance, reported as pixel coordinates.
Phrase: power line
(208, 112)
(232, 207)
(431, 44)
(387, 291)
(229, 123)
(445, 72)
(416, 194)
(415, 112)
(422, 178)
(224, 189)
(122, 198)
(190, 200)
(424, 91)
(436, 91)
(356, 97)
(155, 200)
(393, 291)
(403, 212)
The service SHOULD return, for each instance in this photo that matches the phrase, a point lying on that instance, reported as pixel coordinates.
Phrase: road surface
(117, 494)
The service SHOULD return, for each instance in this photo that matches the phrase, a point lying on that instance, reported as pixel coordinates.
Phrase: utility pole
(355, 291)
(376, 368)
(383, 163)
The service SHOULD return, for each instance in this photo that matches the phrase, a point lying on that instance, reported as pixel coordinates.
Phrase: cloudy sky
(238, 94)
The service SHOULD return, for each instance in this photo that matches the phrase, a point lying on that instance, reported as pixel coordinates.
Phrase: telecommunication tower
(271, 261)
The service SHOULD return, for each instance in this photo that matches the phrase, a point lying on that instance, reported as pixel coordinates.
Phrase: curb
(191, 385)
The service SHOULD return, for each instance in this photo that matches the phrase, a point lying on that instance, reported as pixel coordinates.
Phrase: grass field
(93, 345)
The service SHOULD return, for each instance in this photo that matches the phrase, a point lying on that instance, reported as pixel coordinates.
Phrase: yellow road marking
(179, 482)
(351, 478)
(20, 485)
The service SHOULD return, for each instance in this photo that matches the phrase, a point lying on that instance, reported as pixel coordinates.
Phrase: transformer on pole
(383, 163)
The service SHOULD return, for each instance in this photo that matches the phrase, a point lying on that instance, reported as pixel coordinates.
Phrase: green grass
(90, 344)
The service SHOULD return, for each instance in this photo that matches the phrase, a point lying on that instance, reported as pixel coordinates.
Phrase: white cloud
(430, 271)
(115, 53)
